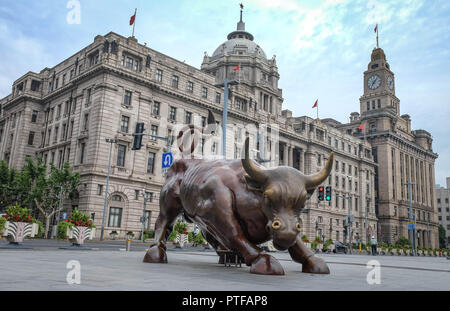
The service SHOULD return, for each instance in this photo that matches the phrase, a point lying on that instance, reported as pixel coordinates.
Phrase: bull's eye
(276, 225)
(299, 228)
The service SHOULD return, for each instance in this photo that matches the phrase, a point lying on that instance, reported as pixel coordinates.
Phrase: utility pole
(111, 141)
(60, 205)
(367, 222)
(225, 86)
(411, 231)
(146, 198)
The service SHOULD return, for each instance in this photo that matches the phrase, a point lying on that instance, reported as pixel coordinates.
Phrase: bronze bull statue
(239, 204)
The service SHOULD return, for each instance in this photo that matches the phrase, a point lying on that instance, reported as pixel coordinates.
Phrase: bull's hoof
(156, 254)
(315, 265)
(266, 264)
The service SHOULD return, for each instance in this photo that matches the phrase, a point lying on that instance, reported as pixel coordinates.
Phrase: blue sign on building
(411, 226)
(167, 160)
(64, 216)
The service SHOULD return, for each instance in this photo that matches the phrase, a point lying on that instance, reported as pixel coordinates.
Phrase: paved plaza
(112, 268)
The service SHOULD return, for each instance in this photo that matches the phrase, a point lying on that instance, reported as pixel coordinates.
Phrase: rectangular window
(31, 139)
(83, 147)
(86, 122)
(136, 194)
(124, 124)
(127, 98)
(175, 81)
(129, 62)
(121, 152)
(156, 107)
(154, 132)
(368, 106)
(190, 87)
(204, 92)
(58, 112)
(115, 217)
(34, 116)
(379, 103)
(159, 75)
(188, 118)
(99, 189)
(55, 138)
(218, 98)
(172, 113)
(151, 163)
(88, 97)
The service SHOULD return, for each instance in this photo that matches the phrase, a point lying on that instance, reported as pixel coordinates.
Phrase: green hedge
(62, 230)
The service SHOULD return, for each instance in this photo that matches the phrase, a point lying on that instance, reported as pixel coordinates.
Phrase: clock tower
(379, 86)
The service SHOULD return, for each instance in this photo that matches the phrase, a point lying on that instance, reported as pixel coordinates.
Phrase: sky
(322, 47)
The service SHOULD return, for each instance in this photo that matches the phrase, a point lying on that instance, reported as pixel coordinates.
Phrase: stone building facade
(443, 205)
(66, 112)
(403, 156)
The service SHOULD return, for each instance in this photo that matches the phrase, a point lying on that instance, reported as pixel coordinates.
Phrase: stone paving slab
(118, 270)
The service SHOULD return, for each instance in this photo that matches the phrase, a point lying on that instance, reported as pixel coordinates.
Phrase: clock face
(374, 82)
(390, 83)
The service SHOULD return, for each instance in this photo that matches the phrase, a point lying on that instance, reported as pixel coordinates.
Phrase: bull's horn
(253, 170)
(312, 181)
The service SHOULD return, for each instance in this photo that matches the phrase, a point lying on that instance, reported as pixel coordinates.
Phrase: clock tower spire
(379, 85)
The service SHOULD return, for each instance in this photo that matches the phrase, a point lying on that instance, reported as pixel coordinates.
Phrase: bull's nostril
(299, 228)
(276, 225)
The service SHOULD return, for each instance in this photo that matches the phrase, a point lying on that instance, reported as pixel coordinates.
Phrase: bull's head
(285, 191)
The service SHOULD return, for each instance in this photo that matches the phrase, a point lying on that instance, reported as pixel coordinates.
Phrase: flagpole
(134, 24)
(377, 38)
(239, 73)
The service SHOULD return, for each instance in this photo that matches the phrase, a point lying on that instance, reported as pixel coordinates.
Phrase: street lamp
(111, 141)
(143, 219)
(411, 231)
(225, 86)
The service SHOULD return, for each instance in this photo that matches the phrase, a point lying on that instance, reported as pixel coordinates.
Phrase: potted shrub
(2, 226)
(314, 245)
(19, 224)
(149, 234)
(390, 250)
(419, 251)
(130, 235)
(319, 243)
(328, 245)
(306, 241)
(113, 234)
(80, 228)
(179, 234)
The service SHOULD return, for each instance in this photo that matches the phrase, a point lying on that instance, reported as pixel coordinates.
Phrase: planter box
(420, 252)
(320, 247)
(181, 239)
(77, 235)
(16, 232)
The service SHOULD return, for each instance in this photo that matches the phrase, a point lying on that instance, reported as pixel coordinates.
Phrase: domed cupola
(240, 43)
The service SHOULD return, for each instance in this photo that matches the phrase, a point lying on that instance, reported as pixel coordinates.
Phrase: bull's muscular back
(203, 186)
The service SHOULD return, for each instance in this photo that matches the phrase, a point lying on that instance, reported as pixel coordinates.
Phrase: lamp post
(143, 219)
(225, 86)
(111, 141)
(411, 231)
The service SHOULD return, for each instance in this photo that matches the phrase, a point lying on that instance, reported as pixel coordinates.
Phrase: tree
(442, 236)
(43, 190)
(8, 183)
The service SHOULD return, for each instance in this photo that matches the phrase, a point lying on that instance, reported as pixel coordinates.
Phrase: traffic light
(321, 190)
(328, 193)
(137, 136)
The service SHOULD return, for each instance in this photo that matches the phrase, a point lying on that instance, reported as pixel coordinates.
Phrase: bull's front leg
(217, 213)
(169, 210)
(310, 263)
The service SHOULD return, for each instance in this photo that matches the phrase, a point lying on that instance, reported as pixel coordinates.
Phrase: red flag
(316, 104)
(361, 127)
(242, 6)
(132, 19)
(376, 28)
(237, 68)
